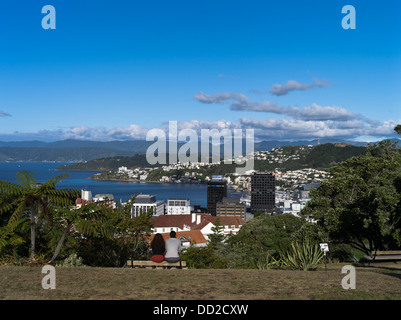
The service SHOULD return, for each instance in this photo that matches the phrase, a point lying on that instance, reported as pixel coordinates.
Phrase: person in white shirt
(173, 248)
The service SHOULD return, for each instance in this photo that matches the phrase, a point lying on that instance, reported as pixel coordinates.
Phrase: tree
(261, 236)
(121, 237)
(360, 204)
(217, 236)
(27, 197)
(203, 258)
(84, 220)
(397, 129)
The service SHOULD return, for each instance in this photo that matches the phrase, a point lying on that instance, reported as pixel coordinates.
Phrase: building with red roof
(190, 222)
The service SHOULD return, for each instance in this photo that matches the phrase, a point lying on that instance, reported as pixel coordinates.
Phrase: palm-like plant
(37, 199)
(86, 220)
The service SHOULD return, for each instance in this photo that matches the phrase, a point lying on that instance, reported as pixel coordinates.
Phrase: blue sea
(121, 190)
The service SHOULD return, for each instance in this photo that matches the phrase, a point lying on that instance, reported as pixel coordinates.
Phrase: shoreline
(140, 181)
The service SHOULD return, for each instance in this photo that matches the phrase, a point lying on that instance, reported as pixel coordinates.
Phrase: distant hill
(269, 145)
(105, 164)
(25, 154)
(69, 150)
(81, 151)
(319, 157)
(328, 154)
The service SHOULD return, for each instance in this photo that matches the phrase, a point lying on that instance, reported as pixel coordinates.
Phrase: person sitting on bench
(173, 248)
(158, 248)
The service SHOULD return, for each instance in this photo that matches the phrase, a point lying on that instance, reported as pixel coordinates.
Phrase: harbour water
(43, 171)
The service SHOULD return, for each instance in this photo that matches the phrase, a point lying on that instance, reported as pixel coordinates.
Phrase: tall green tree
(217, 236)
(85, 221)
(122, 237)
(29, 198)
(360, 204)
(261, 236)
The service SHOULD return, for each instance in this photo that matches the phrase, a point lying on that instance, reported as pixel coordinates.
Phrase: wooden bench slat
(380, 253)
(145, 263)
(383, 257)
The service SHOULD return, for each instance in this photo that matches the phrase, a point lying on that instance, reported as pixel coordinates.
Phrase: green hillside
(106, 164)
(328, 155)
(320, 157)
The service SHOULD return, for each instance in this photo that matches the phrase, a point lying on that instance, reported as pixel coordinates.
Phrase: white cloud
(292, 85)
(265, 129)
(264, 106)
(219, 97)
(241, 102)
(299, 129)
(132, 132)
(316, 112)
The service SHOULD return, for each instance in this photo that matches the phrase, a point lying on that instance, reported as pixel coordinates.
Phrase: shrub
(269, 263)
(72, 261)
(203, 258)
(302, 256)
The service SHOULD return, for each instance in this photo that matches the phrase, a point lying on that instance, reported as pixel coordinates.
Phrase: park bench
(154, 265)
(385, 255)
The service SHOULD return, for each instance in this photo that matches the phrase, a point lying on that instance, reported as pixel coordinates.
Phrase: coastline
(140, 181)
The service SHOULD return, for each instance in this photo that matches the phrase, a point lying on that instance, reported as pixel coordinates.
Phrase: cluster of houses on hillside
(278, 155)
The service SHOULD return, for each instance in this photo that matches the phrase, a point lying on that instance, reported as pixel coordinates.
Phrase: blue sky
(114, 69)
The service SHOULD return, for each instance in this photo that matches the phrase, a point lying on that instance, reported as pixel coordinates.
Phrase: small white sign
(324, 247)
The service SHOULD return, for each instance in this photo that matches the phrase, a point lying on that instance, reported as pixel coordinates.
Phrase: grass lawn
(378, 282)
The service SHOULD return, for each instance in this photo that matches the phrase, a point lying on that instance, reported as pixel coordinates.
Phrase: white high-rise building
(178, 206)
(86, 195)
(144, 202)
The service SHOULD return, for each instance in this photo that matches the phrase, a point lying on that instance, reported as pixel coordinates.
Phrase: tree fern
(26, 179)
(37, 199)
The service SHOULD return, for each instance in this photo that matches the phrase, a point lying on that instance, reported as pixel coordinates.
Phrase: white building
(178, 206)
(193, 221)
(105, 197)
(144, 203)
(86, 195)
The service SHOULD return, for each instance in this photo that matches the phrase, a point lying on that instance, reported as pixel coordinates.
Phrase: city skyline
(113, 71)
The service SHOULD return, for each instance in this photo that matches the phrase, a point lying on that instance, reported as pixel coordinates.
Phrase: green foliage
(259, 237)
(397, 129)
(302, 256)
(360, 204)
(99, 234)
(27, 198)
(122, 238)
(203, 258)
(72, 261)
(12, 241)
(268, 263)
(217, 237)
(327, 155)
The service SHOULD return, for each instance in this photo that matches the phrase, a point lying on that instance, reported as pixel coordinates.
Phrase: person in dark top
(158, 248)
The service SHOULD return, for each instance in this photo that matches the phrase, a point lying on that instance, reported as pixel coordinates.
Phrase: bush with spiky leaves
(302, 256)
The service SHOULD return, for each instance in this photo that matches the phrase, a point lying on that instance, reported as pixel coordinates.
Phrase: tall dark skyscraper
(216, 191)
(263, 186)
